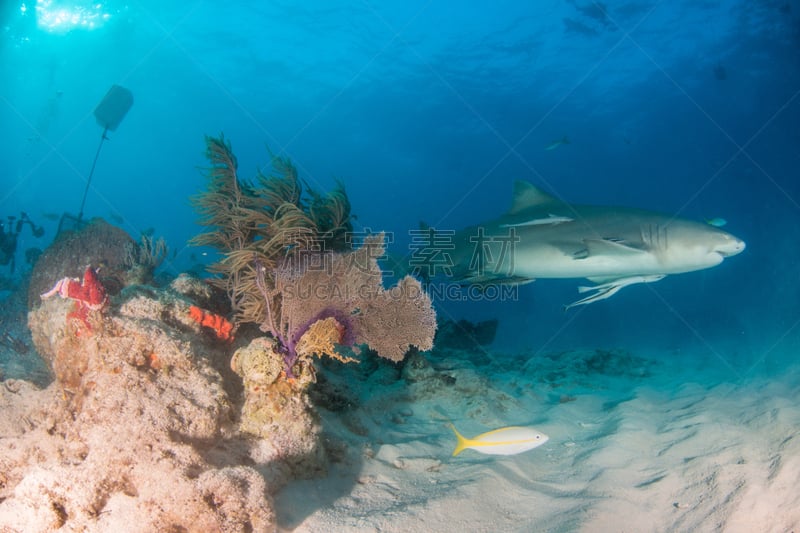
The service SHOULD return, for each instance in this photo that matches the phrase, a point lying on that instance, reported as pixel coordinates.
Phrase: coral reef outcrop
(323, 312)
(164, 415)
(289, 265)
(139, 431)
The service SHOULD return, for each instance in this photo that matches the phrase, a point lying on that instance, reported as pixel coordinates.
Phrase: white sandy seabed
(663, 447)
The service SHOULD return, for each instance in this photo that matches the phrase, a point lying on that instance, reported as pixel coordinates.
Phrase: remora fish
(544, 237)
(551, 219)
(504, 441)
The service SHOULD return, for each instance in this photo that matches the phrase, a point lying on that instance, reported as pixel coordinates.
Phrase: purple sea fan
(349, 289)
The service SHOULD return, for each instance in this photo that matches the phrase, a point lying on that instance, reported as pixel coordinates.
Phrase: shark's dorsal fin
(527, 195)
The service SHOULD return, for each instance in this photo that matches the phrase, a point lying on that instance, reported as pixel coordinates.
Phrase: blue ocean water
(429, 112)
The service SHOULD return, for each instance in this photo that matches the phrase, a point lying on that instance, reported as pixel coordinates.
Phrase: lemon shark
(542, 236)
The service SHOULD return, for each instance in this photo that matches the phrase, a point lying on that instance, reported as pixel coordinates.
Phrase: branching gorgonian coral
(268, 219)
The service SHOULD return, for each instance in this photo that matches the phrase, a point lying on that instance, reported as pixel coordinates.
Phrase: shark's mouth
(731, 249)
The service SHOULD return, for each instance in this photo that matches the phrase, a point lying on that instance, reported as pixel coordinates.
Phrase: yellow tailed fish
(504, 441)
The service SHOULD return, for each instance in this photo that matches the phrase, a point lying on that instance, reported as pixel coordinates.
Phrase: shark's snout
(731, 246)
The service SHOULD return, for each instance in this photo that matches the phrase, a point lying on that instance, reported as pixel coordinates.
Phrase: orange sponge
(222, 328)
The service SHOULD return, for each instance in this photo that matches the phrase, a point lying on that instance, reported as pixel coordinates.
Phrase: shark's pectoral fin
(595, 247)
(572, 249)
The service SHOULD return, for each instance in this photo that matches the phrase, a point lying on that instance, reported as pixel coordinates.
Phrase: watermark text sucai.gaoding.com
(437, 291)
(432, 257)
(489, 292)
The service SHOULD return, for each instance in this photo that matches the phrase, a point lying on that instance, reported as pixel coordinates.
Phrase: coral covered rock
(278, 409)
(137, 433)
(193, 288)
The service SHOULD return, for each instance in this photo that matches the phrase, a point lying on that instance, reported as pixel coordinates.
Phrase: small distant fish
(555, 144)
(116, 218)
(717, 222)
(504, 441)
(51, 216)
(149, 232)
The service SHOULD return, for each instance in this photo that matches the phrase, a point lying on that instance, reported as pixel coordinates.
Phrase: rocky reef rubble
(139, 431)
